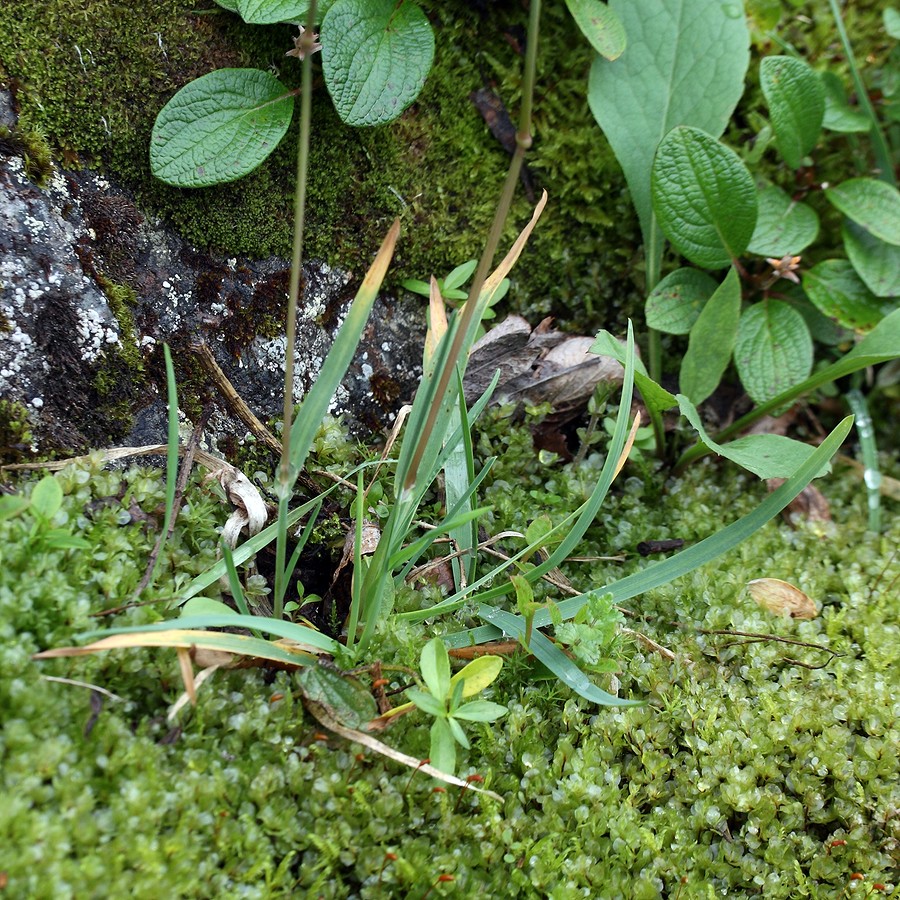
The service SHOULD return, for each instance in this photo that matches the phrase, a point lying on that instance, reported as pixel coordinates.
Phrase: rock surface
(90, 288)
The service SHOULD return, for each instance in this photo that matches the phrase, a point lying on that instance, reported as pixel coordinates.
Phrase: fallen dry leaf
(782, 598)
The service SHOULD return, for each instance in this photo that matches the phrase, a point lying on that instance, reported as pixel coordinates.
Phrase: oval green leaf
(838, 292)
(712, 340)
(268, 12)
(684, 65)
(47, 497)
(773, 351)
(219, 127)
(704, 197)
(796, 101)
(600, 25)
(375, 56)
(876, 262)
(478, 674)
(435, 667)
(675, 303)
(840, 116)
(871, 203)
(784, 227)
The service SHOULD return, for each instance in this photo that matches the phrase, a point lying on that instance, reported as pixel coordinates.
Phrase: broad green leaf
(442, 752)
(796, 101)
(774, 349)
(481, 711)
(784, 227)
(869, 202)
(478, 674)
(876, 262)
(435, 666)
(684, 65)
(343, 696)
(46, 497)
(704, 197)
(839, 115)
(839, 293)
(219, 127)
(600, 25)
(376, 55)
(268, 12)
(891, 19)
(230, 5)
(675, 303)
(765, 455)
(712, 340)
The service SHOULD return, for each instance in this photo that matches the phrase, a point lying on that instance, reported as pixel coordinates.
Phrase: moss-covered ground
(754, 769)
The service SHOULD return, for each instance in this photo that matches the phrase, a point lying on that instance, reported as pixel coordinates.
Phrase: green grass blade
(315, 404)
(234, 581)
(667, 570)
(278, 627)
(554, 659)
(459, 472)
(871, 472)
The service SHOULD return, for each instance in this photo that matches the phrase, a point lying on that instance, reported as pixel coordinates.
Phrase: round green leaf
(704, 197)
(268, 12)
(785, 227)
(876, 262)
(891, 18)
(219, 127)
(375, 56)
(773, 351)
(871, 203)
(796, 101)
(675, 303)
(600, 25)
(838, 292)
(230, 5)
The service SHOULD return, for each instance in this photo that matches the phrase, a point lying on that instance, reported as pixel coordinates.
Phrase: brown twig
(233, 400)
(755, 637)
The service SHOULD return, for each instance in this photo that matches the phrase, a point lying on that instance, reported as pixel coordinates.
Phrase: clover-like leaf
(796, 101)
(704, 197)
(376, 55)
(219, 127)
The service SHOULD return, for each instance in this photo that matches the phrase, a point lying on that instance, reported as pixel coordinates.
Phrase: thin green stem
(879, 142)
(285, 475)
(523, 142)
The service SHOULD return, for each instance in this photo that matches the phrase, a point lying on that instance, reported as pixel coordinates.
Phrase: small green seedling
(445, 696)
(45, 502)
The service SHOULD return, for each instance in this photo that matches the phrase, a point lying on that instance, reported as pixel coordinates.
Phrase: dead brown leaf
(782, 598)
